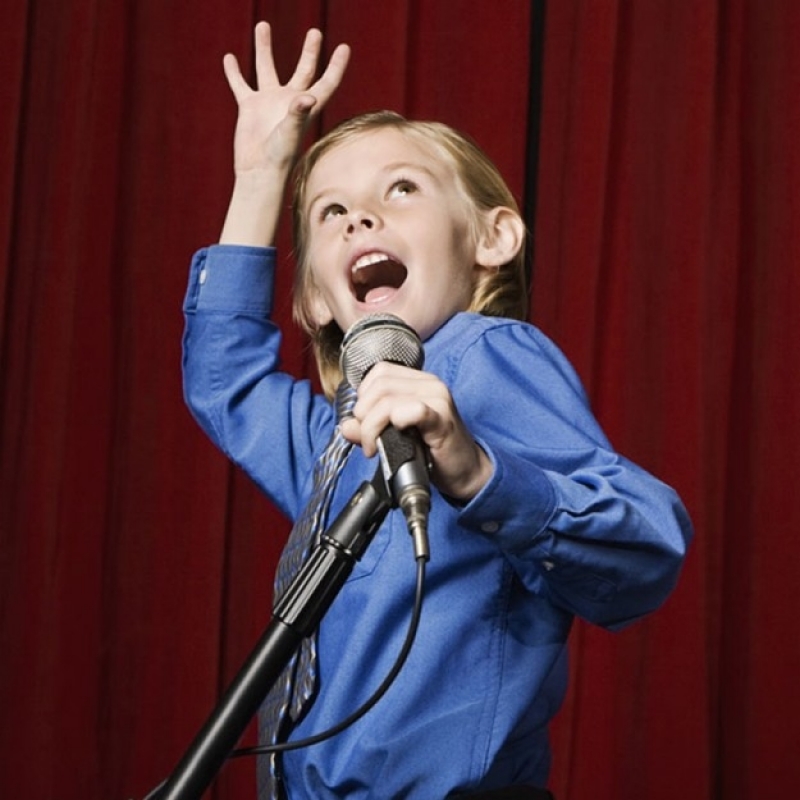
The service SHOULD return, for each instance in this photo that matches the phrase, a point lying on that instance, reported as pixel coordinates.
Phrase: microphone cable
(400, 661)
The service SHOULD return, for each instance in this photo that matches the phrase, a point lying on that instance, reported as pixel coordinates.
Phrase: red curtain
(135, 563)
(667, 267)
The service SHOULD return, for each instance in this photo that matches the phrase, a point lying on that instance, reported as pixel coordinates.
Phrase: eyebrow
(395, 165)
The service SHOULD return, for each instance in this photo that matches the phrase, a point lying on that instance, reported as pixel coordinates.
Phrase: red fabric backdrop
(135, 563)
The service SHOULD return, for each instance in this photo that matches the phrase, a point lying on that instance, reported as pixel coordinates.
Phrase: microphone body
(385, 337)
(405, 468)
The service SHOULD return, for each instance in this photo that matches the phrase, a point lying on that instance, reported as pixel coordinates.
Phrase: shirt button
(490, 527)
(202, 277)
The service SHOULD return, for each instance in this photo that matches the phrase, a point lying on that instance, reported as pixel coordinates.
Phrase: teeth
(368, 259)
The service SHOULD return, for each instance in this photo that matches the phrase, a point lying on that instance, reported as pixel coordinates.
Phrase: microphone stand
(296, 615)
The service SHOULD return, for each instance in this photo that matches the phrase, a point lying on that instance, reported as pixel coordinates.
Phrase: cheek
(322, 256)
(317, 236)
(323, 287)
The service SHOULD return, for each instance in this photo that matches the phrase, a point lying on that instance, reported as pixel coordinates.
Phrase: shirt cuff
(515, 507)
(232, 278)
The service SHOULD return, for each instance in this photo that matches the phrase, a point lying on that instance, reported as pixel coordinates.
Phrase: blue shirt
(565, 527)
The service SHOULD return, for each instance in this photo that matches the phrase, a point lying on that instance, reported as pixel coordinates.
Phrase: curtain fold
(136, 564)
(667, 269)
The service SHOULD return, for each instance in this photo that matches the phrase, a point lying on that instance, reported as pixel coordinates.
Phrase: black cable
(376, 696)
(362, 710)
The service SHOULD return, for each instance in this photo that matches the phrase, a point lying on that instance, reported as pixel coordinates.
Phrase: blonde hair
(498, 292)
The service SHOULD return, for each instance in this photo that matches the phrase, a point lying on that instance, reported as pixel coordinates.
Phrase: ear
(501, 238)
(318, 308)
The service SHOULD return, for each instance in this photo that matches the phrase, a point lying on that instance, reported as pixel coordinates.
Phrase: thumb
(290, 130)
(351, 430)
(303, 105)
(300, 111)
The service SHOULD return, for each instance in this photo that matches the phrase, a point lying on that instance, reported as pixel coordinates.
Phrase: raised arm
(269, 130)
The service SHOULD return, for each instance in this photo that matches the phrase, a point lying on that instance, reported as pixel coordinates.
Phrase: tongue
(378, 293)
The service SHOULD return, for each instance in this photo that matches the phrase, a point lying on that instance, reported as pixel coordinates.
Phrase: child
(534, 518)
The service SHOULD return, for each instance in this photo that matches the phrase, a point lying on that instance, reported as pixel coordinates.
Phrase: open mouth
(376, 276)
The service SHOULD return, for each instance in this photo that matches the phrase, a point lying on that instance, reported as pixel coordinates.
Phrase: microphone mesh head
(378, 337)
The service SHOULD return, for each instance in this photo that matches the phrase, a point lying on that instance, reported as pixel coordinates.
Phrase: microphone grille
(378, 337)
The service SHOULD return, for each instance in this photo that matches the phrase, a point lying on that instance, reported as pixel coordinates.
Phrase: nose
(361, 221)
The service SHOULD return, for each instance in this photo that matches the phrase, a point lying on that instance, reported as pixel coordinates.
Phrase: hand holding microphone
(382, 356)
(370, 341)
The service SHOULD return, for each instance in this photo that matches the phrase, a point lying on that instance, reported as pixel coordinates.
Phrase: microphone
(385, 337)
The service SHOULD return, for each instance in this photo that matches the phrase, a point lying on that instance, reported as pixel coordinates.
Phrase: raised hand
(269, 130)
(273, 116)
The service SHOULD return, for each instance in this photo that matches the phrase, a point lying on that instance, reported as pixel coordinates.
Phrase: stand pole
(296, 615)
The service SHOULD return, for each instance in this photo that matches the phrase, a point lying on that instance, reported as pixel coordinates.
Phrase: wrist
(254, 209)
(473, 481)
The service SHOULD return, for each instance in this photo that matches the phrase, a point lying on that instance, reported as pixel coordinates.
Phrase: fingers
(266, 75)
(387, 379)
(314, 98)
(306, 67)
(401, 413)
(405, 398)
(302, 80)
(234, 76)
(307, 64)
(331, 78)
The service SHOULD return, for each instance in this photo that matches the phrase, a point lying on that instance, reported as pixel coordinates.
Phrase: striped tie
(296, 686)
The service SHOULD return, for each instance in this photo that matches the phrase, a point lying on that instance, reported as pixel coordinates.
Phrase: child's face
(389, 231)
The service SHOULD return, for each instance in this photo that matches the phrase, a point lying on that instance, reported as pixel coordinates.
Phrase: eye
(331, 210)
(402, 187)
